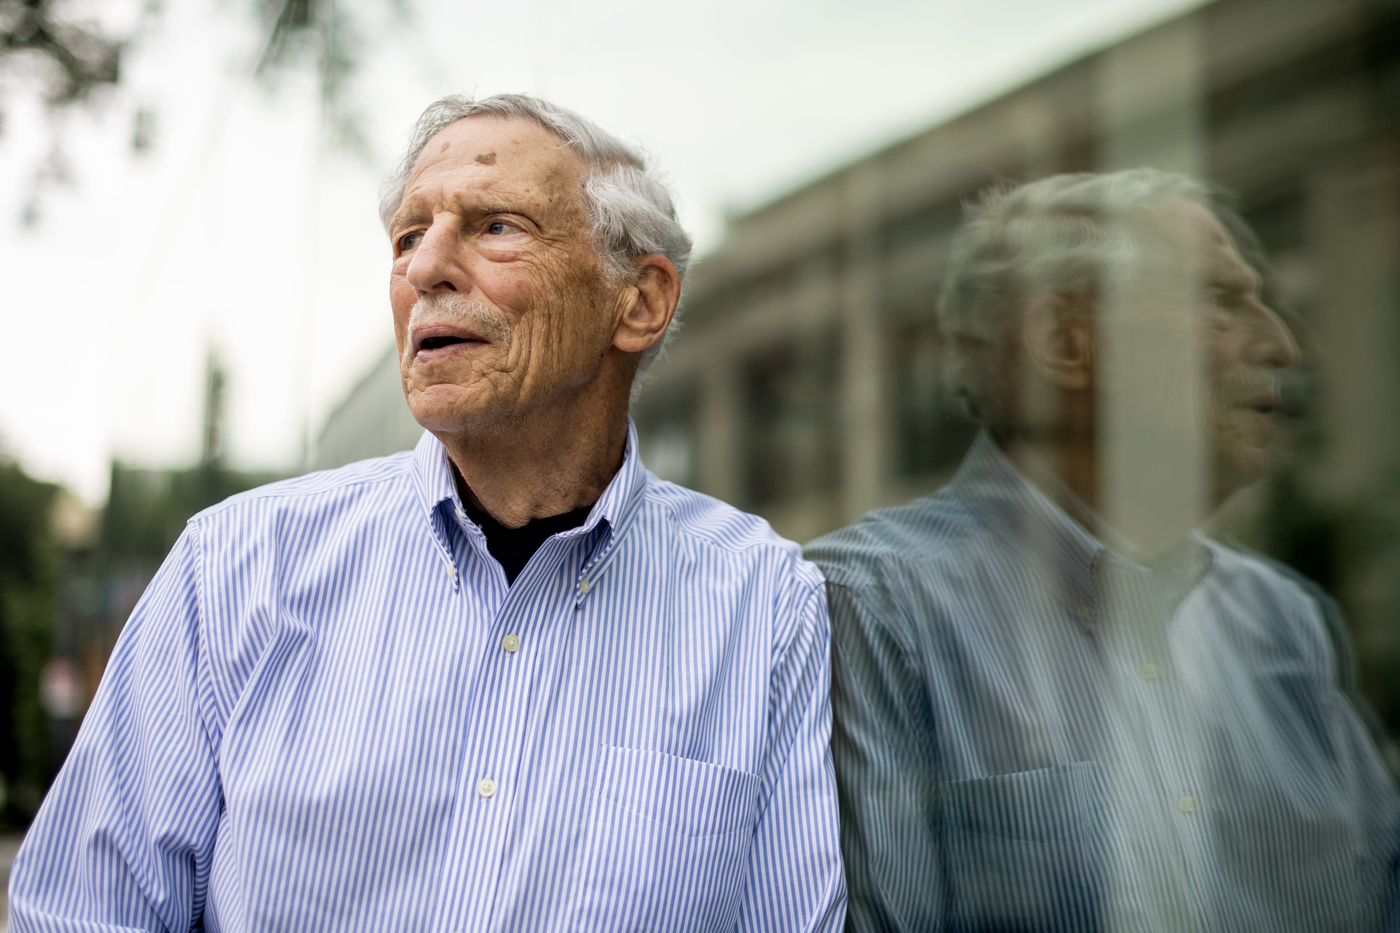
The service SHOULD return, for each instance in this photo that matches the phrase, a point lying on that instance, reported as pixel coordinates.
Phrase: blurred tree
(80, 57)
(70, 59)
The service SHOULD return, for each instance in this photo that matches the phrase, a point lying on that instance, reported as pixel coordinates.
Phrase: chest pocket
(1023, 851)
(668, 844)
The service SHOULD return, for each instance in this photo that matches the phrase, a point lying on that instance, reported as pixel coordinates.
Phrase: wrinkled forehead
(1199, 238)
(1195, 226)
(495, 149)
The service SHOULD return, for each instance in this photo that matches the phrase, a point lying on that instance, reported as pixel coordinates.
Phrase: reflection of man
(508, 681)
(1057, 707)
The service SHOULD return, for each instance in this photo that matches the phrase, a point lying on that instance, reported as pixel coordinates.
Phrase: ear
(648, 304)
(1057, 332)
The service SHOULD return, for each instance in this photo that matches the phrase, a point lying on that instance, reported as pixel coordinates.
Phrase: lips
(1263, 404)
(437, 341)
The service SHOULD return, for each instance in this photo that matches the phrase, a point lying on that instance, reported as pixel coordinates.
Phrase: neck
(551, 462)
(1070, 473)
(1064, 468)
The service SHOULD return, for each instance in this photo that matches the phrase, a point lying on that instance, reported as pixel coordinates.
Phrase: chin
(452, 409)
(442, 407)
(1239, 469)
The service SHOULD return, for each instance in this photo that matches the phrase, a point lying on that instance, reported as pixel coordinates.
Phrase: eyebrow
(409, 213)
(404, 216)
(498, 209)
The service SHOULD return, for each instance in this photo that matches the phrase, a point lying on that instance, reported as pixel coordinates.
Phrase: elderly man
(1056, 707)
(508, 681)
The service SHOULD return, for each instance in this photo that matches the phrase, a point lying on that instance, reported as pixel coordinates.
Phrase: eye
(500, 228)
(409, 240)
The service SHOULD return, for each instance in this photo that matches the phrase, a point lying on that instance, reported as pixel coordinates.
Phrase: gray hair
(1064, 235)
(630, 211)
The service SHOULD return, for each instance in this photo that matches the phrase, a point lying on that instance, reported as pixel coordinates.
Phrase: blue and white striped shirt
(330, 712)
(1034, 732)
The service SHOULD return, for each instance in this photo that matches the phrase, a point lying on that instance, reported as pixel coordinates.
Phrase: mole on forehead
(486, 158)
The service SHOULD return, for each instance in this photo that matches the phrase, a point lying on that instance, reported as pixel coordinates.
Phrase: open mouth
(437, 343)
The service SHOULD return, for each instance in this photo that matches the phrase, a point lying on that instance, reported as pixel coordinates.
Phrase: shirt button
(584, 586)
(1150, 671)
(1186, 804)
(510, 643)
(486, 787)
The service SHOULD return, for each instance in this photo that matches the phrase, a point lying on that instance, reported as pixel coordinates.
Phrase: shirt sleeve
(882, 742)
(124, 837)
(795, 879)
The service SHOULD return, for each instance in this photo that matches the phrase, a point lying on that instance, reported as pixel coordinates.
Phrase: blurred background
(194, 276)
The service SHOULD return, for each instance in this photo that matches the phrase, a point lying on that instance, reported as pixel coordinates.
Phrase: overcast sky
(243, 230)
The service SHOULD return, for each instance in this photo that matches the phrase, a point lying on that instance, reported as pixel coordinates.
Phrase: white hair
(1064, 235)
(630, 212)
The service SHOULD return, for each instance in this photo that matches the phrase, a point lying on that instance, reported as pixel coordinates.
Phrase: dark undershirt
(513, 547)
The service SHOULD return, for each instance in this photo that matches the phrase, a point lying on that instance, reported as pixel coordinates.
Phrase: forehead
(505, 155)
(1206, 238)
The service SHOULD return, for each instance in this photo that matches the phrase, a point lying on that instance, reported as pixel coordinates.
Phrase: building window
(666, 435)
(931, 433)
(789, 399)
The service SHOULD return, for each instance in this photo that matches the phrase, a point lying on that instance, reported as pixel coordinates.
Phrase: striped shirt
(330, 712)
(1034, 732)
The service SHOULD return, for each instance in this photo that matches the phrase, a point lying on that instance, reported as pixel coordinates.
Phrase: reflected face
(500, 306)
(1245, 346)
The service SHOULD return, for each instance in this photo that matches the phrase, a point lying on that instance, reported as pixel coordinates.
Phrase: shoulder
(716, 526)
(920, 536)
(1260, 577)
(306, 514)
(366, 479)
(1280, 610)
(737, 559)
(1280, 600)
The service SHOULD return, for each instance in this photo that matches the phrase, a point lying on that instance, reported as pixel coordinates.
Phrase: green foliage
(29, 562)
(73, 602)
(147, 509)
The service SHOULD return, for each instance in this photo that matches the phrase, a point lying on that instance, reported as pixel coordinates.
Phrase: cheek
(402, 298)
(1222, 350)
(568, 307)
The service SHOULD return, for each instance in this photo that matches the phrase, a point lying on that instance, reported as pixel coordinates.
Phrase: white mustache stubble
(457, 310)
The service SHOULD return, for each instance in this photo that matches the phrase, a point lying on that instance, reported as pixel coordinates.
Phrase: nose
(1271, 343)
(437, 263)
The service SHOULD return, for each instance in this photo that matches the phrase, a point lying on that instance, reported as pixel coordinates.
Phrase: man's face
(1245, 346)
(500, 306)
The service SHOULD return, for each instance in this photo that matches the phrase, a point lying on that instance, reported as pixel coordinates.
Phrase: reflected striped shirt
(329, 711)
(1035, 732)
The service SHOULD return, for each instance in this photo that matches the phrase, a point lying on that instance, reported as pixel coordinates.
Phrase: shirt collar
(1003, 498)
(435, 484)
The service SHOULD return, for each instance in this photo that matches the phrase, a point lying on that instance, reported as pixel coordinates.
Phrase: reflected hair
(630, 211)
(1064, 235)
